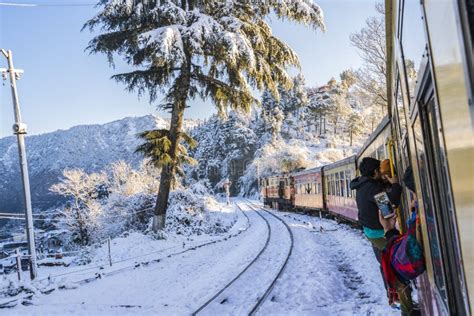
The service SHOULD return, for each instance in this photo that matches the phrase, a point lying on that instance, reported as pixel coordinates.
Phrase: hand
(392, 180)
(387, 223)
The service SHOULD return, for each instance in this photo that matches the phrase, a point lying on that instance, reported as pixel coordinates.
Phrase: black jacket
(366, 188)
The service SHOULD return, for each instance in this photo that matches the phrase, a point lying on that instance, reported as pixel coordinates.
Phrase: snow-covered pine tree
(340, 109)
(217, 50)
(295, 98)
(354, 125)
(225, 149)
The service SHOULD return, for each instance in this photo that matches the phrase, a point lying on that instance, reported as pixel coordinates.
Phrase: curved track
(282, 269)
(219, 298)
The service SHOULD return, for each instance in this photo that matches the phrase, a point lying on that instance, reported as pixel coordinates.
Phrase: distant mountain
(90, 147)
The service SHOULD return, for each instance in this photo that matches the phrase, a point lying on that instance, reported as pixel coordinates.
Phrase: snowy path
(330, 272)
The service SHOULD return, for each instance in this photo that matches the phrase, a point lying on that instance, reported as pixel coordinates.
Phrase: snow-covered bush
(190, 212)
(126, 181)
(106, 204)
(83, 211)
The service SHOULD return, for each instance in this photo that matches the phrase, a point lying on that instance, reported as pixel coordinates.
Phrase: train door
(281, 188)
(440, 220)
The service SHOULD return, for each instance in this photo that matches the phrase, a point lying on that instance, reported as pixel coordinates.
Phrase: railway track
(225, 294)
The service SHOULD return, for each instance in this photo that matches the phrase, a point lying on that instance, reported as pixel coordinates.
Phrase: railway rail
(221, 298)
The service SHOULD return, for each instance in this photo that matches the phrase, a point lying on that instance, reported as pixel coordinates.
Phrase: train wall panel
(309, 201)
(343, 206)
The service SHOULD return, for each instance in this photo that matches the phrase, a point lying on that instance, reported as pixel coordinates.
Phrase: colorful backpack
(403, 257)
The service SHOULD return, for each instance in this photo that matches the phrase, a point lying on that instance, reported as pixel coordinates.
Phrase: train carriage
(430, 80)
(308, 189)
(278, 191)
(339, 198)
(378, 144)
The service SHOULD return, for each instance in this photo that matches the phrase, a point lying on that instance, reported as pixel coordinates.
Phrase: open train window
(333, 185)
(328, 184)
(380, 154)
(342, 184)
(348, 181)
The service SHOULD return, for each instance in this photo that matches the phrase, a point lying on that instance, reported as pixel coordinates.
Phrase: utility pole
(19, 129)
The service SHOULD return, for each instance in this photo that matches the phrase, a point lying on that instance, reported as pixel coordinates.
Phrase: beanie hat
(385, 167)
(368, 166)
(409, 180)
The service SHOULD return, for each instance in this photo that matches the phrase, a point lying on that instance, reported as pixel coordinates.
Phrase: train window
(348, 180)
(401, 116)
(342, 183)
(333, 179)
(328, 186)
(338, 188)
(380, 154)
(413, 42)
(427, 196)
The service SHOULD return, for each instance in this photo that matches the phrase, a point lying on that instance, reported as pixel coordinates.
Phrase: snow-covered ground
(332, 271)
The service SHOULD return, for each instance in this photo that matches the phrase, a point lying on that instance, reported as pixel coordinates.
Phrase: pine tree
(217, 50)
(340, 109)
(354, 125)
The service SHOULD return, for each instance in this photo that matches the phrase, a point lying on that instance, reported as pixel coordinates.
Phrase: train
(326, 188)
(430, 127)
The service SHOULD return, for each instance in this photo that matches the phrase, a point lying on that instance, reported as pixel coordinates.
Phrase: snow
(332, 270)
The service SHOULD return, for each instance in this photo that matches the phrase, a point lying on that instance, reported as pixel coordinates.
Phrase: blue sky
(63, 86)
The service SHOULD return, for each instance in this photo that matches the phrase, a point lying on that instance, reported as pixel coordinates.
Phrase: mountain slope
(90, 147)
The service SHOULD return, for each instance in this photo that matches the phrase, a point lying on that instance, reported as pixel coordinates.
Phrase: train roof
(345, 161)
(385, 121)
(276, 174)
(306, 171)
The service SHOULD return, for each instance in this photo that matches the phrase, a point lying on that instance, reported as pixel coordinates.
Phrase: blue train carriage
(430, 88)
(308, 190)
(339, 199)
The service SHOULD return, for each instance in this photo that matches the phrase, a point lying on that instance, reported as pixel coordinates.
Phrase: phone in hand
(384, 204)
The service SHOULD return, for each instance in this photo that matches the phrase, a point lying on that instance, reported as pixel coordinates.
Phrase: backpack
(403, 256)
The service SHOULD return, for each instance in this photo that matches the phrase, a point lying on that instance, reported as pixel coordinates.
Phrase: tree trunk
(325, 125)
(320, 124)
(168, 171)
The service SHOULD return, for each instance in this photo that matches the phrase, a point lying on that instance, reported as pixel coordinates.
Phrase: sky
(63, 86)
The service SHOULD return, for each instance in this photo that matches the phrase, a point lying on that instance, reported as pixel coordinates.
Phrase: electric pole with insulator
(19, 129)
